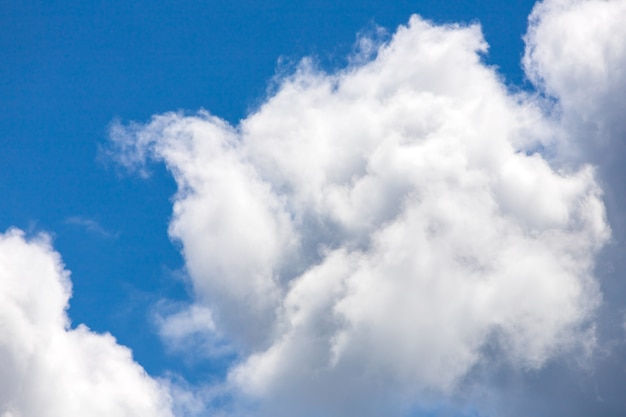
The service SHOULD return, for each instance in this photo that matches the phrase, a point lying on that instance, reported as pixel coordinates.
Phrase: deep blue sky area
(68, 69)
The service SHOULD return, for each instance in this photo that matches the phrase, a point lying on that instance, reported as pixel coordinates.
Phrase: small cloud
(183, 326)
(91, 226)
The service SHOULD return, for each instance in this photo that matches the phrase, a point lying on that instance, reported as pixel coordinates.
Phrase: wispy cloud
(49, 369)
(91, 226)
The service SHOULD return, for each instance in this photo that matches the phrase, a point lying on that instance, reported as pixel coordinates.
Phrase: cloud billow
(49, 369)
(365, 235)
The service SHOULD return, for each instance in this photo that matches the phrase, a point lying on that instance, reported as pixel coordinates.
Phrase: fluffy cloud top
(366, 235)
(48, 369)
(576, 52)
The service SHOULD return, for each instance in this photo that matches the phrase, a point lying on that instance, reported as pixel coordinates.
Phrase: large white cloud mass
(366, 235)
(48, 369)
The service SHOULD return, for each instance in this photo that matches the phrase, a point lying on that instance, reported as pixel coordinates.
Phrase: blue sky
(76, 75)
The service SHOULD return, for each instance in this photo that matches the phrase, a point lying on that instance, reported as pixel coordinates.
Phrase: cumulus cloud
(576, 52)
(365, 236)
(575, 56)
(48, 369)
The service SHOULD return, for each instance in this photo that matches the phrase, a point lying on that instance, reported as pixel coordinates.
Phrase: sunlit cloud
(50, 368)
(367, 237)
(404, 236)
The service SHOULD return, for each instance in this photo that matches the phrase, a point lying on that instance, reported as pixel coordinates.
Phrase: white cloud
(576, 55)
(186, 322)
(366, 234)
(190, 330)
(576, 52)
(48, 369)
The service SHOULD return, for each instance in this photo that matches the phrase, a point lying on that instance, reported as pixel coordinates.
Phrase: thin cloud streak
(91, 226)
